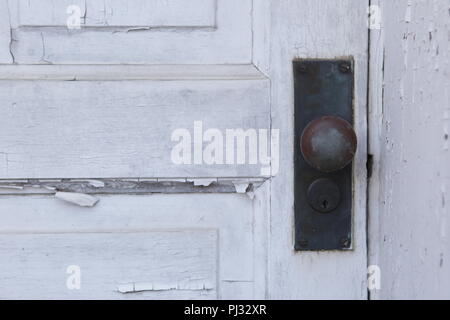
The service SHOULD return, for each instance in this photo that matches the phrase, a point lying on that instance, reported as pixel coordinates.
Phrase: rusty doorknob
(328, 144)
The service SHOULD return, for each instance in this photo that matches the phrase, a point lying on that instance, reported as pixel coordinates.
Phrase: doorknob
(328, 143)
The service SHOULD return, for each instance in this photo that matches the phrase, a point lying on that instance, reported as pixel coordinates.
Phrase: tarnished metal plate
(322, 88)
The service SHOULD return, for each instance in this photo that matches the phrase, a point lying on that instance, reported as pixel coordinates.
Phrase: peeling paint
(408, 215)
(80, 199)
(161, 286)
(408, 14)
(202, 182)
(93, 183)
(11, 187)
(241, 187)
(132, 186)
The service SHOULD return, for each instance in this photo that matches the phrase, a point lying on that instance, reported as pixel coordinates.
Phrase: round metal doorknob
(328, 144)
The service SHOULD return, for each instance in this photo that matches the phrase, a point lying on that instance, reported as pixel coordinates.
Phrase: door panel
(140, 31)
(119, 13)
(70, 129)
(113, 265)
(168, 246)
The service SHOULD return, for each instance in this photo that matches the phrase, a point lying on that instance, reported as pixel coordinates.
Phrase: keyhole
(324, 195)
(325, 204)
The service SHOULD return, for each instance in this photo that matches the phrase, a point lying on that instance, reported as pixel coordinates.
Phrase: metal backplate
(322, 88)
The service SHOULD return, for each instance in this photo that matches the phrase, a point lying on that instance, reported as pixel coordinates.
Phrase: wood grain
(183, 259)
(118, 129)
(313, 29)
(5, 33)
(119, 13)
(129, 72)
(116, 121)
(122, 223)
(410, 112)
(163, 44)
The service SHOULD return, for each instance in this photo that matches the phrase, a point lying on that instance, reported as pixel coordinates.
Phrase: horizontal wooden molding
(130, 185)
(129, 72)
(96, 13)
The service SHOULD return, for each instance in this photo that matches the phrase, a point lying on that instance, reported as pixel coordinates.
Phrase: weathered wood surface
(159, 239)
(132, 186)
(129, 72)
(179, 33)
(115, 125)
(115, 129)
(312, 29)
(158, 261)
(119, 13)
(5, 33)
(410, 125)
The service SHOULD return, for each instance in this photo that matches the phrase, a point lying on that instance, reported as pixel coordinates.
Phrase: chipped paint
(82, 200)
(408, 191)
(12, 187)
(241, 187)
(93, 183)
(131, 186)
(163, 286)
(202, 182)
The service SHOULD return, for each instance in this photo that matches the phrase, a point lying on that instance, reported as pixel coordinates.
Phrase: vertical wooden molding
(5, 33)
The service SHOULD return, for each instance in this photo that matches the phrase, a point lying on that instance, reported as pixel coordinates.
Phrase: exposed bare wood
(128, 186)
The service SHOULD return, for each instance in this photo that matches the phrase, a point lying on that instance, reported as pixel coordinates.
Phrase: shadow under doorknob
(328, 144)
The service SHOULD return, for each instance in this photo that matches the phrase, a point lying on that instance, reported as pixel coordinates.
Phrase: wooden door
(127, 107)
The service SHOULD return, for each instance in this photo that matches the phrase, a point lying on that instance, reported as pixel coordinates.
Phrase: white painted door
(104, 108)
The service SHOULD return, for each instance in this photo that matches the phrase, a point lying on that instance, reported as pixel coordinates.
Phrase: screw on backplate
(303, 243)
(345, 242)
(303, 68)
(345, 67)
